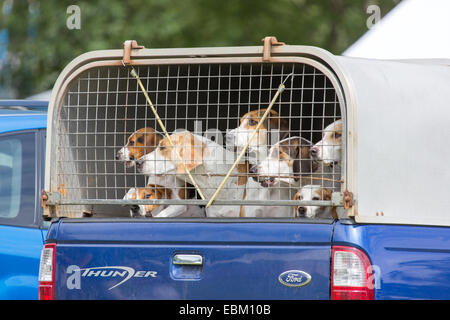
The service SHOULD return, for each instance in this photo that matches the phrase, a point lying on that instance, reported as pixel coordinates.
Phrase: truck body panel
(409, 262)
(20, 250)
(240, 260)
(22, 232)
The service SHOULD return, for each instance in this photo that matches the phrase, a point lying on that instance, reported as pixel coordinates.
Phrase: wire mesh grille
(104, 153)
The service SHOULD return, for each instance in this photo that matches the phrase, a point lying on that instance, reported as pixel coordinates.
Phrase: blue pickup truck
(387, 231)
(22, 231)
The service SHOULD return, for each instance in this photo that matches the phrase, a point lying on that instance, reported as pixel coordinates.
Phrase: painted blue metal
(22, 120)
(20, 247)
(20, 250)
(410, 262)
(240, 260)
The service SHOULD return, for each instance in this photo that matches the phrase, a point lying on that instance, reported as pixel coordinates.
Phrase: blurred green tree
(41, 44)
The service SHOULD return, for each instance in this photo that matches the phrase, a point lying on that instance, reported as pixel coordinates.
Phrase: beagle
(314, 192)
(141, 142)
(287, 161)
(329, 148)
(271, 131)
(154, 192)
(207, 161)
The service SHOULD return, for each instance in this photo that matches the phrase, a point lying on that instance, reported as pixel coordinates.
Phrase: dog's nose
(314, 151)
(117, 156)
(253, 170)
(302, 211)
(139, 164)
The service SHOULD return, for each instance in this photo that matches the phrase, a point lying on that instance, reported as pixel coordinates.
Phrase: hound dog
(314, 192)
(329, 148)
(327, 152)
(274, 129)
(141, 142)
(207, 161)
(287, 162)
(154, 192)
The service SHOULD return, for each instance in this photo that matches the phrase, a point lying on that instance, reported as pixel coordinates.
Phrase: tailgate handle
(188, 259)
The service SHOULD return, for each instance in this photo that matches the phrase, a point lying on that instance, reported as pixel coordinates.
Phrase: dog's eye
(147, 196)
(140, 140)
(252, 122)
(162, 148)
(131, 142)
(316, 198)
(337, 135)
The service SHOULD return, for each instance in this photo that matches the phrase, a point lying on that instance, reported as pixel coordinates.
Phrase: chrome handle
(188, 259)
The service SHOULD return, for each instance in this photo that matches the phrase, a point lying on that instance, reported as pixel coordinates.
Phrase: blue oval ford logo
(294, 278)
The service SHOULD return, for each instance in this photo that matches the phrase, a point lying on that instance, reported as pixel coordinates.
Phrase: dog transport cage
(97, 103)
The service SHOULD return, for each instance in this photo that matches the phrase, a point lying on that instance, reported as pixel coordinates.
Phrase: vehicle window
(17, 178)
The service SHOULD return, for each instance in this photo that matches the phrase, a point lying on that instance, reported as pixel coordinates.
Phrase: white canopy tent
(414, 29)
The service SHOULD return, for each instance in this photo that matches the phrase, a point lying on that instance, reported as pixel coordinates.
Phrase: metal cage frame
(310, 56)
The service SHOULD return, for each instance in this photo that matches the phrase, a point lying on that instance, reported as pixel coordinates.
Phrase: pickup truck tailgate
(142, 259)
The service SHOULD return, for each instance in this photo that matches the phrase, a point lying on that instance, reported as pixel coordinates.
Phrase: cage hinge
(267, 48)
(129, 45)
(50, 198)
(48, 203)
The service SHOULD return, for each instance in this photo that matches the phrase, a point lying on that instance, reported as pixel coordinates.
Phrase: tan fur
(243, 168)
(333, 137)
(274, 118)
(322, 194)
(143, 141)
(296, 197)
(154, 192)
(188, 147)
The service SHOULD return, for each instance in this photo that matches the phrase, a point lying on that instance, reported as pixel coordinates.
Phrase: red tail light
(47, 272)
(351, 274)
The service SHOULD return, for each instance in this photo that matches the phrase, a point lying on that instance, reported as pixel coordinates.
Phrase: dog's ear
(167, 193)
(278, 128)
(303, 164)
(191, 151)
(326, 193)
(284, 128)
(152, 139)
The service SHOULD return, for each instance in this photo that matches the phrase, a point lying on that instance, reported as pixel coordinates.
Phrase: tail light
(47, 272)
(351, 274)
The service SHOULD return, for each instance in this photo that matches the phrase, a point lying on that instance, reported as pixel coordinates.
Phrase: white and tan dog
(314, 193)
(207, 162)
(141, 142)
(271, 131)
(329, 149)
(155, 192)
(287, 162)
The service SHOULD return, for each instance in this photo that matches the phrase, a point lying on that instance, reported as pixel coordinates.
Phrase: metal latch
(348, 199)
(129, 45)
(267, 49)
(339, 199)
